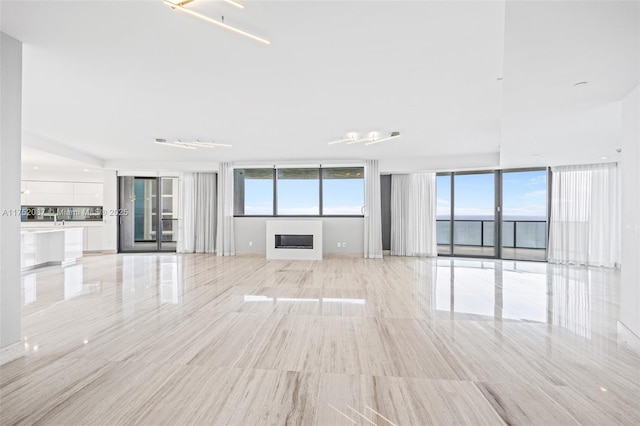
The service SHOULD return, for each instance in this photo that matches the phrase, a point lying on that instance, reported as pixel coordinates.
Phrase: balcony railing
(529, 234)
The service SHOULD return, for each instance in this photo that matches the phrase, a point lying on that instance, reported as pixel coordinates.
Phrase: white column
(110, 218)
(11, 128)
(630, 270)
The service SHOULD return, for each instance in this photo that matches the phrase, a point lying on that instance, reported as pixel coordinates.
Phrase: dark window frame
(239, 197)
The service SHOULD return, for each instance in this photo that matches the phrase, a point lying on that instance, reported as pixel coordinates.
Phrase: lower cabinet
(94, 238)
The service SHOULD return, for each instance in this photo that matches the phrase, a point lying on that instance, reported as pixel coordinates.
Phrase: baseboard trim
(11, 352)
(98, 252)
(628, 337)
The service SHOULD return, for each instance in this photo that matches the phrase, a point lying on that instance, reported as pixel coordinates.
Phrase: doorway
(150, 224)
(493, 214)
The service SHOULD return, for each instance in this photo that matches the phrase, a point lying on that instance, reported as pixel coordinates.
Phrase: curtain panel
(413, 215)
(372, 211)
(225, 242)
(584, 223)
(197, 207)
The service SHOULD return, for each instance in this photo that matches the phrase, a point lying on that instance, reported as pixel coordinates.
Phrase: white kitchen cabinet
(87, 194)
(94, 238)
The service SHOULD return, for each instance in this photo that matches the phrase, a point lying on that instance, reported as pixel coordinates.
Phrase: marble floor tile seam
(514, 350)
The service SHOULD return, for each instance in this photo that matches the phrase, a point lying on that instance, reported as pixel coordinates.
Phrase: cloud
(538, 193)
(443, 202)
(526, 210)
(473, 211)
(540, 179)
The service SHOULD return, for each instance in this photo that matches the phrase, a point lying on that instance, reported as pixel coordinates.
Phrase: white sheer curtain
(413, 215)
(584, 226)
(197, 213)
(226, 238)
(372, 211)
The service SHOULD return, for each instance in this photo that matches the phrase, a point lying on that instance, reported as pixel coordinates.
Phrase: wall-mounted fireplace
(294, 241)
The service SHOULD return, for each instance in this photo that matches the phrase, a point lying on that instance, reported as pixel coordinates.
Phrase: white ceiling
(35, 159)
(107, 78)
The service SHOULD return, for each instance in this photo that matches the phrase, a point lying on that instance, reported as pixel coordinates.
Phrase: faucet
(55, 219)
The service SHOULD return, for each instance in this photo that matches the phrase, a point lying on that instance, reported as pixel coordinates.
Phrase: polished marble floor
(200, 339)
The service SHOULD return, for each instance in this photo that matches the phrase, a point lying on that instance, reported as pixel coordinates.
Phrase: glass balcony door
(148, 220)
(474, 214)
(444, 231)
(524, 214)
(476, 210)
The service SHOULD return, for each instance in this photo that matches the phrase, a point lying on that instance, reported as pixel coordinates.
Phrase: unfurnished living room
(241, 212)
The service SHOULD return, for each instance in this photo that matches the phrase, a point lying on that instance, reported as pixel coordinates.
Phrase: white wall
(581, 135)
(10, 144)
(349, 230)
(630, 292)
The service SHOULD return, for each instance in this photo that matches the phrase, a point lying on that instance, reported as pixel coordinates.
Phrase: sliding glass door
(474, 208)
(493, 214)
(444, 230)
(149, 213)
(524, 214)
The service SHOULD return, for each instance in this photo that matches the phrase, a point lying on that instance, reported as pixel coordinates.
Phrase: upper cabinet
(44, 193)
(87, 194)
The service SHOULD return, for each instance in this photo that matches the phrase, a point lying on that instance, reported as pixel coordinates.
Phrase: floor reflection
(515, 290)
(150, 276)
(446, 288)
(536, 343)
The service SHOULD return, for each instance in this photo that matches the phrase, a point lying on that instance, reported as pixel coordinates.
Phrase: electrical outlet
(250, 243)
(338, 243)
(344, 244)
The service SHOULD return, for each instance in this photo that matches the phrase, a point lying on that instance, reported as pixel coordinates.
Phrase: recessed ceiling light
(581, 83)
(36, 167)
(604, 157)
(86, 170)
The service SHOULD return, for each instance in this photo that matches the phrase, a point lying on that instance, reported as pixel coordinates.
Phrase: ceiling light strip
(235, 3)
(192, 144)
(368, 138)
(175, 145)
(218, 23)
(382, 140)
(371, 138)
(340, 141)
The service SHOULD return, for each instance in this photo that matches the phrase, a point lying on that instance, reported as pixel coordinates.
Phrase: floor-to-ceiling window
(476, 210)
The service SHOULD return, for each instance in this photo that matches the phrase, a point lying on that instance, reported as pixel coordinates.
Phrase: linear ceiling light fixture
(192, 144)
(180, 6)
(235, 3)
(393, 135)
(371, 138)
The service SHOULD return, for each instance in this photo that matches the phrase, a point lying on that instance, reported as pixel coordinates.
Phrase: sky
(301, 196)
(524, 194)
